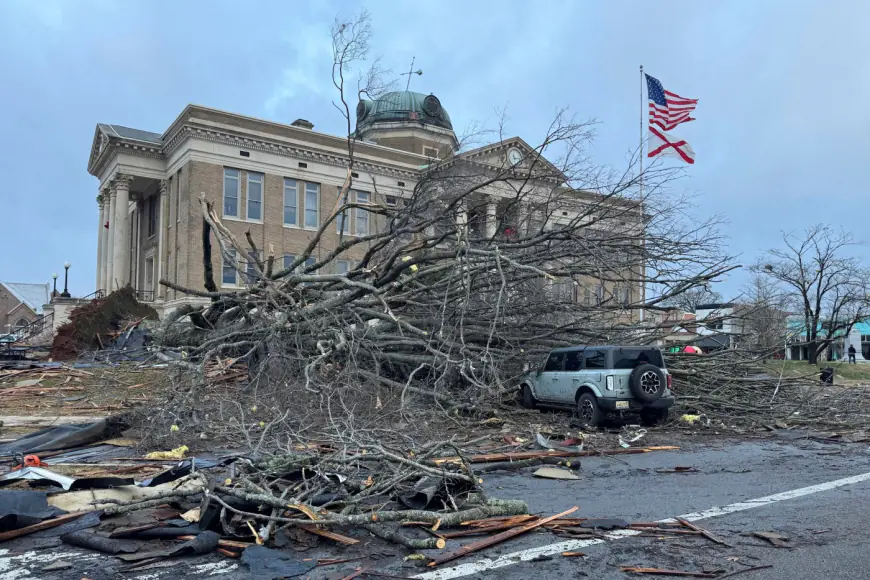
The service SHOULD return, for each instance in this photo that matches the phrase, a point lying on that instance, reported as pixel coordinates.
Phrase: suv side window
(554, 362)
(595, 359)
(574, 361)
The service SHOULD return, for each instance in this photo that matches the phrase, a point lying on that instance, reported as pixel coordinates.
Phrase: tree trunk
(812, 352)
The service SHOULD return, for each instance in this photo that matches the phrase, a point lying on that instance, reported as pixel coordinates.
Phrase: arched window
(22, 322)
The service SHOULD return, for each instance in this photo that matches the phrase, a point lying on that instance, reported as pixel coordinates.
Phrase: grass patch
(842, 370)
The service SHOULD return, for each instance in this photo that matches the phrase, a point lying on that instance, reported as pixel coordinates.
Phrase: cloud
(310, 52)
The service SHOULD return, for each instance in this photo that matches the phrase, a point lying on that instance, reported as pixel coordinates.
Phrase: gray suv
(601, 380)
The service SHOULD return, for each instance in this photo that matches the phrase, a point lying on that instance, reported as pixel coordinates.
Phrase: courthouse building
(277, 181)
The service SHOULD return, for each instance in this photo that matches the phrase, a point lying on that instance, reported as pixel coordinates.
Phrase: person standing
(852, 354)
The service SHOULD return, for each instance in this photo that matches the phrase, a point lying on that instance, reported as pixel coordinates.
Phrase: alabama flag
(661, 143)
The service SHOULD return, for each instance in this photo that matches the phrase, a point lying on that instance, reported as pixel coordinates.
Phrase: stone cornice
(191, 131)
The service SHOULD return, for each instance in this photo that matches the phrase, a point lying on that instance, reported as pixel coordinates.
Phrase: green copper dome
(402, 106)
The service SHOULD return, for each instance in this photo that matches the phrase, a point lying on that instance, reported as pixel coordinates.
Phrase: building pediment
(514, 153)
(109, 139)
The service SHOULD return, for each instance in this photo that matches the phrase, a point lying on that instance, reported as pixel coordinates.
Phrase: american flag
(667, 109)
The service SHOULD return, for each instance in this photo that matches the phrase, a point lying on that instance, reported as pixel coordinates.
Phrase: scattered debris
(678, 469)
(56, 566)
(662, 572)
(775, 539)
(498, 538)
(177, 453)
(555, 473)
(268, 563)
(705, 533)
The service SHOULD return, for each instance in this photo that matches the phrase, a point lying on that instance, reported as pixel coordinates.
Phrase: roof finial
(411, 72)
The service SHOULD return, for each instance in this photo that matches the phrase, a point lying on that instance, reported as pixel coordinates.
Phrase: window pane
(595, 359)
(228, 274)
(554, 363)
(342, 266)
(630, 358)
(310, 262)
(291, 199)
(251, 267)
(362, 215)
(231, 192)
(312, 202)
(342, 223)
(255, 196)
(288, 260)
(574, 361)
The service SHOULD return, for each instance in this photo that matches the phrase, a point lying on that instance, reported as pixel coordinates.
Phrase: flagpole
(640, 179)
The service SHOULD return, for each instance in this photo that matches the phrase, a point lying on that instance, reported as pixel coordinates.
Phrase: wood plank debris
(664, 572)
(44, 525)
(705, 533)
(497, 539)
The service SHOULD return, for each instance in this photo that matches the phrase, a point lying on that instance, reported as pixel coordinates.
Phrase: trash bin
(826, 377)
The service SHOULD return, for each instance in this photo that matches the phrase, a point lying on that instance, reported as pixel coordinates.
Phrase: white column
(106, 250)
(522, 219)
(490, 218)
(161, 221)
(462, 221)
(110, 242)
(101, 216)
(121, 249)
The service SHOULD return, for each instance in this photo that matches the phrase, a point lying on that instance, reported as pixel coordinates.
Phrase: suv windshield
(628, 358)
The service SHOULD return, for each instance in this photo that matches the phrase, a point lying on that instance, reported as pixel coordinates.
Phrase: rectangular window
(149, 273)
(288, 260)
(342, 220)
(255, 196)
(251, 275)
(312, 205)
(555, 362)
(599, 294)
(152, 215)
(574, 361)
(595, 359)
(231, 192)
(342, 266)
(362, 215)
(391, 200)
(310, 262)
(291, 201)
(228, 272)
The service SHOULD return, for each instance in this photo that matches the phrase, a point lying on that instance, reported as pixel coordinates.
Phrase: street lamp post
(54, 293)
(65, 293)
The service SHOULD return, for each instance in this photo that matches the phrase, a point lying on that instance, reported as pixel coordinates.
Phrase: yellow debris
(177, 453)
(690, 419)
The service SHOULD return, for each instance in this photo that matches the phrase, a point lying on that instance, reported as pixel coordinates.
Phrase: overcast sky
(781, 137)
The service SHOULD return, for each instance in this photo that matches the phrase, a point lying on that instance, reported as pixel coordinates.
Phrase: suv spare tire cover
(647, 383)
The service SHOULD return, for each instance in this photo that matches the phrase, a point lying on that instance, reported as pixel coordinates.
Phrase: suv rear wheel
(588, 411)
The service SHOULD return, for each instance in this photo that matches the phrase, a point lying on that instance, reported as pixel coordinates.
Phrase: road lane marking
(572, 545)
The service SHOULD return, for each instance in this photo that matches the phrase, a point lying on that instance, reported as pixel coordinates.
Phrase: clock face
(515, 156)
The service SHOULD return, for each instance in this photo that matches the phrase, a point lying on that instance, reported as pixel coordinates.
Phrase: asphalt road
(825, 522)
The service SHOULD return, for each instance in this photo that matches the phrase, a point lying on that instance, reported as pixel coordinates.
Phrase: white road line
(572, 545)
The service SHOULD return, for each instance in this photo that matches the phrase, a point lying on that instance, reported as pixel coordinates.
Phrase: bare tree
(828, 287)
(763, 314)
(483, 266)
(689, 300)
